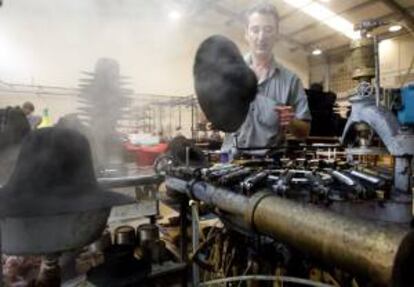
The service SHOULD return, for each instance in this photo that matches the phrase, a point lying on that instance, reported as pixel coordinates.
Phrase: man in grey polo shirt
(281, 101)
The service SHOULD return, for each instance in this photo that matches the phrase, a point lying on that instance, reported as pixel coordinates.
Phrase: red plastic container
(146, 155)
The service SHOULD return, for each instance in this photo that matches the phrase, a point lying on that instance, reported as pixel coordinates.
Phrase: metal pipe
(384, 253)
(343, 178)
(359, 246)
(195, 238)
(377, 72)
(380, 175)
(183, 238)
(367, 177)
(127, 181)
(235, 176)
(228, 201)
(183, 229)
(282, 279)
(187, 156)
(254, 180)
(193, 136)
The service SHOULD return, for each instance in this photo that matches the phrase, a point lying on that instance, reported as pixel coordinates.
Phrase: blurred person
(14, 127)
(280, 103)
(28, 109)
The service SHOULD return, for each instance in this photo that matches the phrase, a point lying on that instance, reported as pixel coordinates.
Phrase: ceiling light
(316, 52)
(326, 16)
(174, 15)
(394, 28)
(13, 60)
(369, 35)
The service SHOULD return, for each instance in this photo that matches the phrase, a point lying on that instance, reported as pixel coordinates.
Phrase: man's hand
(298, 128)
(285, 115)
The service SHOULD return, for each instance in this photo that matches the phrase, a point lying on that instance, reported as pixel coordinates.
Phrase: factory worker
(280, 103)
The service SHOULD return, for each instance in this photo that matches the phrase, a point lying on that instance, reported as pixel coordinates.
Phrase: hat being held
(223, 82)
(54, 175)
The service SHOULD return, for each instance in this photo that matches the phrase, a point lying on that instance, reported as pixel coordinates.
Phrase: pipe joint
(253, 203)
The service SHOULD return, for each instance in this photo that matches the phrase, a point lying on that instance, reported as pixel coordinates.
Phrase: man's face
(261, 34)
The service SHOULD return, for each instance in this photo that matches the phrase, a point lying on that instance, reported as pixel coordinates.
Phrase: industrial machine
(291, 219)
(393, 125)
(336, 216)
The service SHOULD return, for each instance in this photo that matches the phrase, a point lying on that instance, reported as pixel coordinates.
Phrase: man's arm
(300, 125)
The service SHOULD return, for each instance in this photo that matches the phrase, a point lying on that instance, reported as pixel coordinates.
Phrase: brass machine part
(363, 59)
(147, 233)
(382, 252)
(358, 246)
(125, 235)
(150, 245)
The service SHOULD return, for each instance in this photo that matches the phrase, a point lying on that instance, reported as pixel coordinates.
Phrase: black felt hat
(177, 149)
(223, 82)
(54, 175)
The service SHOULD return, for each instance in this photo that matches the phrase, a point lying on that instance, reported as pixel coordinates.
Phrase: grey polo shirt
(261, 127)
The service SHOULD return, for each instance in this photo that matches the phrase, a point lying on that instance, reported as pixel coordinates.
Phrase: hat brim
(224, 84)
(61, 200)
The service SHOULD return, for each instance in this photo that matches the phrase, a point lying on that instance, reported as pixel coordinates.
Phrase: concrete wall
(395, 57)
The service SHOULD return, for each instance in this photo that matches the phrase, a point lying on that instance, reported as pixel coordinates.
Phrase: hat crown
(53, 158)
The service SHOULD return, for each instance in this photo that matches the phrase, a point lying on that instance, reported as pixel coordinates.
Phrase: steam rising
(104, 98)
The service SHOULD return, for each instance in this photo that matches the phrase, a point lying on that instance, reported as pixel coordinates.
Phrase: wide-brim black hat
(223, 82)
(54, 175)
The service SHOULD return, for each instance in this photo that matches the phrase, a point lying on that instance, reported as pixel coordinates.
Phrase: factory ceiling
(301, 30)
(305, 25)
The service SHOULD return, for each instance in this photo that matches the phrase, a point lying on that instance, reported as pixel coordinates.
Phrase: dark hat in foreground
(223, 82)
(54, 175)
(177, 149)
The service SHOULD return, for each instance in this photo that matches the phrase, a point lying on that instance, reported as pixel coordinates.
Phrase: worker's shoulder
(285, 73)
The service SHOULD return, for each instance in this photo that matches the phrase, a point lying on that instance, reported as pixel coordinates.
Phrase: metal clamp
(190, 187)
(253, 203)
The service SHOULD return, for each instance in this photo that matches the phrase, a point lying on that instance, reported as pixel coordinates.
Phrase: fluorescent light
(326, 16)
(174, 15)
(316, 52)
(13, 60)
(394, 28)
